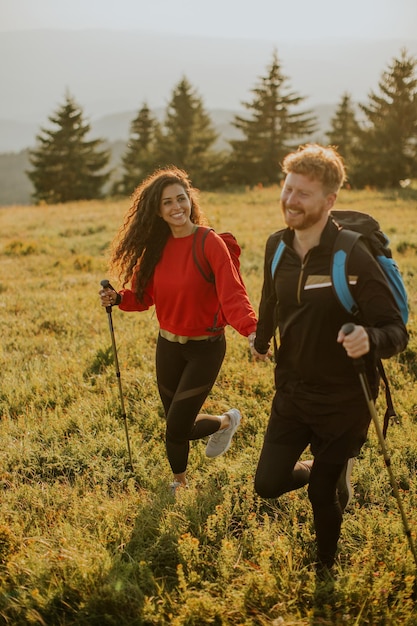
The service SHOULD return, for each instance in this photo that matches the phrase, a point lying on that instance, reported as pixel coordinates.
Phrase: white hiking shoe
(219, 442)
(176, 484)
(344, 486)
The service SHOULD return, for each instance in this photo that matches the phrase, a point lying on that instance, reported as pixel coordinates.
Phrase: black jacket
(300, 301)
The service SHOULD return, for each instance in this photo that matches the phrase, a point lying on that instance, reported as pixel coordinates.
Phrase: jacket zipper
(300, 278)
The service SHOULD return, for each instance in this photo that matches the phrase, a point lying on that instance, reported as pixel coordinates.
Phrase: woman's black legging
(279, 472)
(185, 375)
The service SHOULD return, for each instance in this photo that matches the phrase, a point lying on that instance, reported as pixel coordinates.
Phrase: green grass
(86, 541)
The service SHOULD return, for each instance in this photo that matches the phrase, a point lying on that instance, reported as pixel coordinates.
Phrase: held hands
(356, 343)
(256, 355)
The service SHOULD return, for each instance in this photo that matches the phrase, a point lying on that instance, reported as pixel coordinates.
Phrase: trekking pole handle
(359, 363)
(346, 328)
(106, 285)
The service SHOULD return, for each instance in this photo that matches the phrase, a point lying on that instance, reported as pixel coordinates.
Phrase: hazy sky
(291, 20)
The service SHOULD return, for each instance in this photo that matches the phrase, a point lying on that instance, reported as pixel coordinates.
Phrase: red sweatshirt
(185, 303)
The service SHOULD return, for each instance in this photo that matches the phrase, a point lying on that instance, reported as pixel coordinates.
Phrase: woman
(153, 251)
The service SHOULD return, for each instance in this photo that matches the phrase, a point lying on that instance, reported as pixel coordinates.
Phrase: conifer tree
(187, 134)
(387, 152)
(139, 160)
(275, 127)
(345, 130)
(66, 166)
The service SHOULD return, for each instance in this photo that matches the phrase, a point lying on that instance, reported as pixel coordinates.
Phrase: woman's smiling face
(175, 207)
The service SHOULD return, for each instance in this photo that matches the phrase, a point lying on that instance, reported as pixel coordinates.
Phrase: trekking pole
(106, 285)
(360, 368)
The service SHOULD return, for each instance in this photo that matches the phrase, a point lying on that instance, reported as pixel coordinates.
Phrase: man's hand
(256, 355)
(355, 343)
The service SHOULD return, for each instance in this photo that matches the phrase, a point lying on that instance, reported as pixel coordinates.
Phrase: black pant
(185, 375)
(335, 432)
(279, 471)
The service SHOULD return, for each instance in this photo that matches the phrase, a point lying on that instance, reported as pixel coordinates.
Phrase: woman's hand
(108, 297)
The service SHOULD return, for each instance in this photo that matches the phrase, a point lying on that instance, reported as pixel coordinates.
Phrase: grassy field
(86, 541)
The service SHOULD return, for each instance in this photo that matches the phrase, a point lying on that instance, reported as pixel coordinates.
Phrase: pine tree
(66, 166)
(187, 134)
(387, 152)
(345, 130)
(139, 160)
(270, 133)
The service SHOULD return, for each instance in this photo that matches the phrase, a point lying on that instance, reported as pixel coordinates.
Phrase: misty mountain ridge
(16, 188)
(16, 136)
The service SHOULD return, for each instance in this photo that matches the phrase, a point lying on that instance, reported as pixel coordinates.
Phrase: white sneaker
(219, 442)
(176, 484)
(344, 486)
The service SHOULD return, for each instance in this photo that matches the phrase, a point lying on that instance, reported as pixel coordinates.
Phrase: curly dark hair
(139, 243)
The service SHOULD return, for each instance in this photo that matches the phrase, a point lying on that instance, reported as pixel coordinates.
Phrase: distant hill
(16, 188)
(16, 136)
(116, 127)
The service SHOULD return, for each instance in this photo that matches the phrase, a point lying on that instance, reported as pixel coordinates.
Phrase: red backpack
(204, 268)
(200, 259)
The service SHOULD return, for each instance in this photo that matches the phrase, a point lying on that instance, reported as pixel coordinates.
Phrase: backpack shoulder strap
(203, 266)
(277, 256)
(343, 246)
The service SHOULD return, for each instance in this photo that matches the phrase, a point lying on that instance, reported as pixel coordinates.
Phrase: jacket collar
(327, 238)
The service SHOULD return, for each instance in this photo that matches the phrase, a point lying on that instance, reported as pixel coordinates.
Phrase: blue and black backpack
(354, 226)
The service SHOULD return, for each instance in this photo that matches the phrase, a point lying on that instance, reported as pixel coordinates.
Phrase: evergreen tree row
(378, 140)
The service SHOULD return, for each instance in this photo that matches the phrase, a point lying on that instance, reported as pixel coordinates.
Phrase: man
(319, 400)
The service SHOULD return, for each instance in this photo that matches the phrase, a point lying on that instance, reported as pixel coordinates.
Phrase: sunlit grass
(83, 539)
